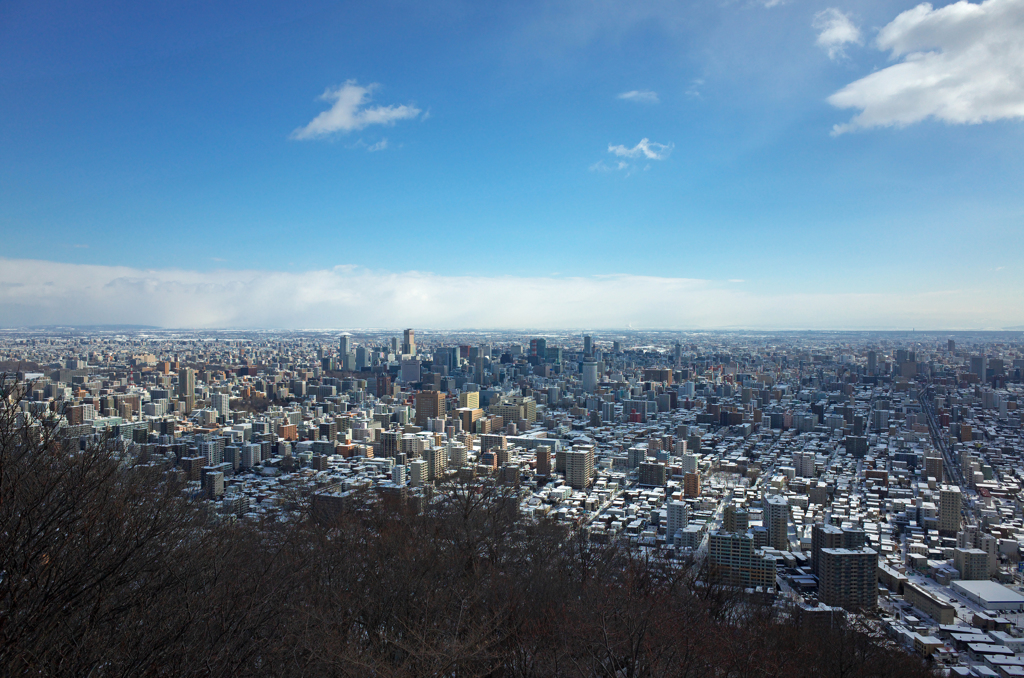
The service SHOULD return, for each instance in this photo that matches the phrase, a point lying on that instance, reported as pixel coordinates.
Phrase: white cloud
(379, 146)
(646, 148)
(602, 166)
(835, 32)
(41, 292)
(350, 112)
(694, 89)
(642, 96)
(962, 64)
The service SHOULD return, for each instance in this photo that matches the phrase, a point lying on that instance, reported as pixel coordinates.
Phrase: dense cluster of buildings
(874, 475)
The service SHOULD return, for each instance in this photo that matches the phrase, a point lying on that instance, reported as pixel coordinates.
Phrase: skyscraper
(409, 342)
(588, 346)
(589, 376)
(345, 345)
(186, 382)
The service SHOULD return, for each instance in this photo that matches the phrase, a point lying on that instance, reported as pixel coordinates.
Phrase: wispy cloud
(602, 166)
(646, 148)
(641, 96)
(694, 89)
(351, 296)
(379, 146)
(835, 31)
(350, 111)
(962, 64)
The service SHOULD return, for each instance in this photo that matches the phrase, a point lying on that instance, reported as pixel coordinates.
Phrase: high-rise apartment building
(971, 563)
(735, 519)
(777, 520)
(544, 461)
(950, 505)
(848, 578)
(579, 467)
(734, 561)
(652, 475)
(678, 517)
(691, 485)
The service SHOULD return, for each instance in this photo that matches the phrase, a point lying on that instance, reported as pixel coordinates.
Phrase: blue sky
(175, 144)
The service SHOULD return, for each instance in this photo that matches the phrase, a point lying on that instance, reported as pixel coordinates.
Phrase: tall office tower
(689, 463)
(589, 376)
(678, 517)
(539, 348)
(691, 485)
(186, 382)
(735, 519)
(479, 367)
(734, 562)
(394, 344)
(588, 345)
(778, 522)
(979, 366)
(411, 371)
(950, 345)
(933, 468)
(616, 347)
(409, 342)
(345, 345)
(429, 405)
(848, 578)
(362, 358)
(872, 362)
(544, 461)
(579, 467)
(950, 505)
(446, 357)
(677, 353)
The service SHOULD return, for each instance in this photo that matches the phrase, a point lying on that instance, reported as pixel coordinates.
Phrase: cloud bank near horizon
(43, 293)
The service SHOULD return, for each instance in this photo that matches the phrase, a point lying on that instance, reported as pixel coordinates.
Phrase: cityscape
(545, 339)
(869, 475)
